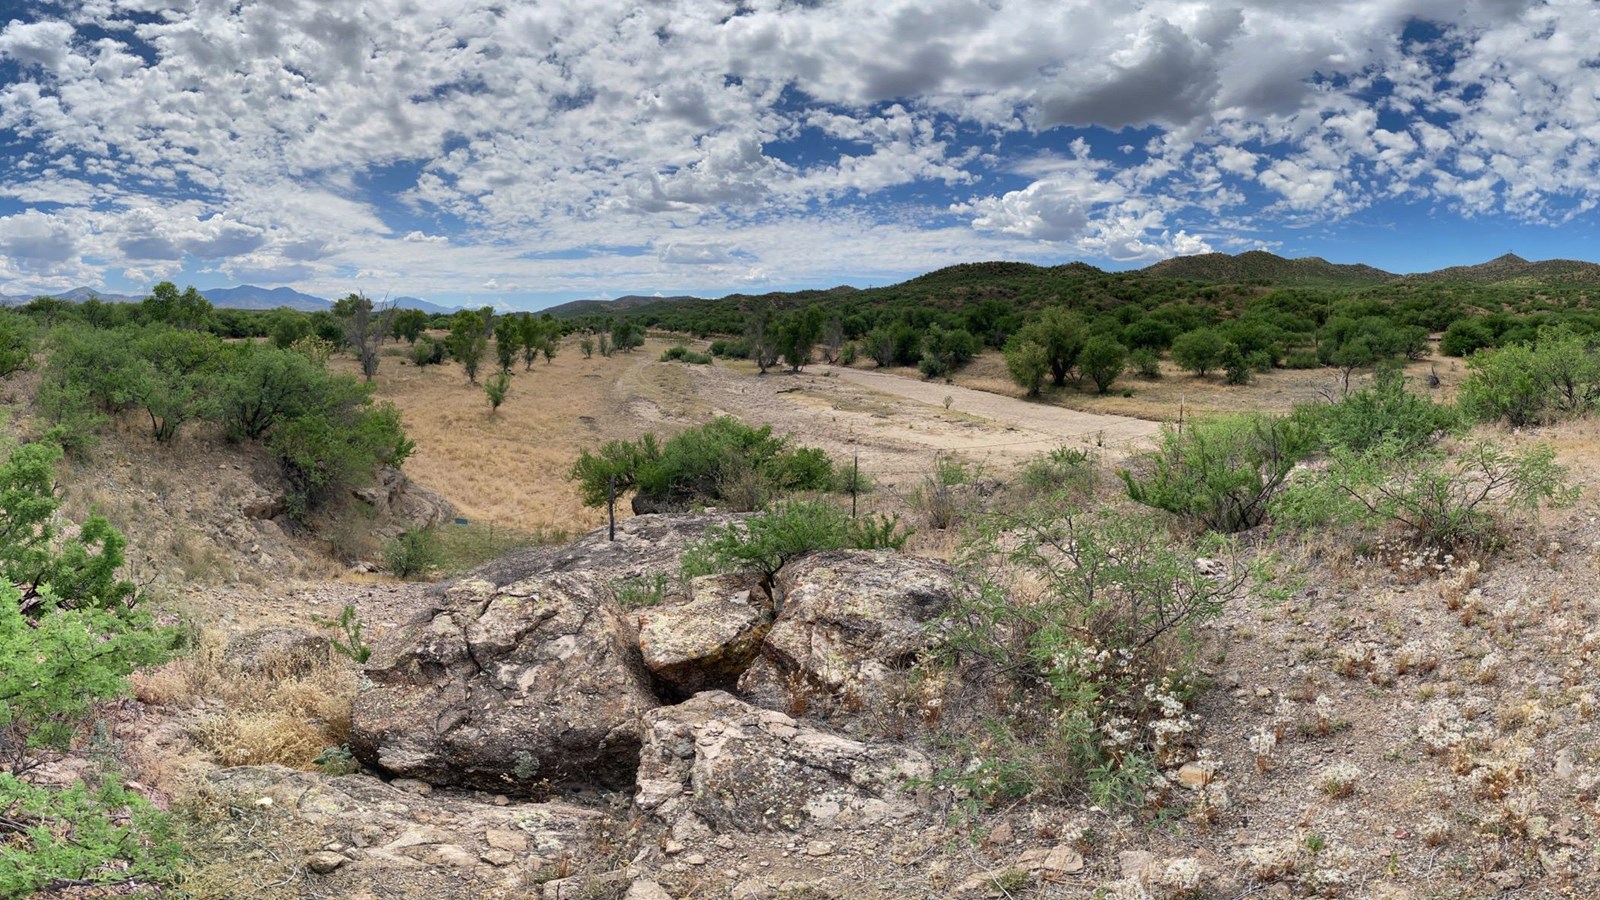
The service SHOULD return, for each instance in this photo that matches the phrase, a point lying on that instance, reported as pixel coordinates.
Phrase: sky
(527, 153)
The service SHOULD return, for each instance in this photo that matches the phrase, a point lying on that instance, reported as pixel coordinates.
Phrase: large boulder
(646, 546)
(523, 688)
(404, 504)
(708, 639)
(717, 761)
(853, 624)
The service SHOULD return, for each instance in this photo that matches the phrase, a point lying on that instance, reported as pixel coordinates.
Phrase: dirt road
(896, 426)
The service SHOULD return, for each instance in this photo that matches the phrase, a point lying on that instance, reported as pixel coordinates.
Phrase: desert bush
(1447, 501)
(1556, 376)
(702, 465)
(91, 833)
(1102, 659)
(496, 389)
(1064, 470)
(327, 451)
(70, 630)
(680, 353)
(1027, 362)
(1198, 351)
(16, 344)
(1221, 473)
(945, 350)
(1384, 412)
(1102, 361)
(940, 498)
(1146, 363)
(413, 553)
(426, 351)
(764, 543)
(730, 349)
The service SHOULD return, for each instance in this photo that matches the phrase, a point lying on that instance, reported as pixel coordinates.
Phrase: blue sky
(523, 154)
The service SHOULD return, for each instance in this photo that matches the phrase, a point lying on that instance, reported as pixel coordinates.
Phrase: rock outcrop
(405, 504)
(646, 546)
(853, 623)
(717, 761)
(358, 833)
(522, 688)
(707, 640)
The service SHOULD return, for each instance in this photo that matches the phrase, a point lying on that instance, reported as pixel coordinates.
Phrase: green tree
(1197, 351)
(365, 327)
(1061, 333)
(798, 333)
(507, 341)
(1102, 361)
(188, 310)
(467, 342)
(1028, 362)
(409, 324)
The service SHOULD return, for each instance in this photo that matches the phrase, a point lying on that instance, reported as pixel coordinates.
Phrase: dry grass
(1162, 399)
(286, 712)
(509, 467)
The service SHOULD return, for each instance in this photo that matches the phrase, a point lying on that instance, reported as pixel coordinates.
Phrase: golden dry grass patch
(510, 466)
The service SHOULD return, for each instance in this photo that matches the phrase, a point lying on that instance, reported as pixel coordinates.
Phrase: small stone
(412, 786)
(1263, 692)
(1194, 776)
(673, 848)
(324, 862)
(726, 841)
(1131, 862)
(1001, 834)
(506, 839)
(695, 859)
(1056, 861)
(819, 848)
(645, 889)
(1564, 766)
(451, 855)
(498, 857)
(1505, 880)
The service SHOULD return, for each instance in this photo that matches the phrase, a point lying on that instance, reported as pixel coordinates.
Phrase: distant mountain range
(245, 296)
(591, 307)
(1260, 265)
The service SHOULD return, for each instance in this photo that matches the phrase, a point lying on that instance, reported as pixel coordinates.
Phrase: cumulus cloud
(417, 143)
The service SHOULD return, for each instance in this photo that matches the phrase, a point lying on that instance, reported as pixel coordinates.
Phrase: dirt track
(895, 425)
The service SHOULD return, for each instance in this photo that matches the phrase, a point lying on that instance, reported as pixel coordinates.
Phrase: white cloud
(418, 143)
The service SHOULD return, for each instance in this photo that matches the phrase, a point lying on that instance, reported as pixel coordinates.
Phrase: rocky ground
(1400, 725)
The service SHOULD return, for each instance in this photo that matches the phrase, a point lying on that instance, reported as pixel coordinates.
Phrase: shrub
(939, 497)
(705, 464)
(1221, 473)
(427, 352)
(1146, 363)
(765, 542)
(1062, 471)
(327, 451)
(1028, 362)
(1385, 412)
(86, 834)
(731, 349)
(496, 389)
(413, 553)
(680, 353)
(70, 629)
(1450, 502)
(1525, 384)
(1102, 660)
(1197, 351)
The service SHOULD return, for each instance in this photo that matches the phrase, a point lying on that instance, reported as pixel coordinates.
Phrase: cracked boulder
(524, 688)
(853, 624)
(707, 640)
(715, 761)
(646, 546)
